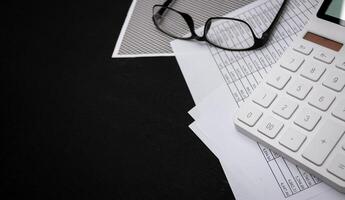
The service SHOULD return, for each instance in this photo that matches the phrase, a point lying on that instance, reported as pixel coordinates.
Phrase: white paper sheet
(205, 68)
(236, 181)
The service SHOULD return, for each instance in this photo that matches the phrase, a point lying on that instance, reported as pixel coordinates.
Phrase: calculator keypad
(300, 108)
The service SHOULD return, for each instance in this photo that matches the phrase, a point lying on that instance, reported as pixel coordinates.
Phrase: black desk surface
(81, 125)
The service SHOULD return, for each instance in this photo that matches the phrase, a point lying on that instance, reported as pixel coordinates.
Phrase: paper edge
(124, 28)
(142, 55)
(122, 34)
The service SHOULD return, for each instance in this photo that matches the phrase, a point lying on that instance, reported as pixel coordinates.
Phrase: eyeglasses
(222, 32)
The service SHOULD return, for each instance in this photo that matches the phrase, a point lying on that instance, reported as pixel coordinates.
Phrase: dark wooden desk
(81, 125)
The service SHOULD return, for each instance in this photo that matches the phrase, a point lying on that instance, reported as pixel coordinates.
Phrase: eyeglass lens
(229, 34)
(225, 33)
(171, 23)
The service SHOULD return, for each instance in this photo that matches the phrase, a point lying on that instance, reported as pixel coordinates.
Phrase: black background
(81, 125)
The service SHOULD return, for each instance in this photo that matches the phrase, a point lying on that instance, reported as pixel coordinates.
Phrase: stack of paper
(220, 80)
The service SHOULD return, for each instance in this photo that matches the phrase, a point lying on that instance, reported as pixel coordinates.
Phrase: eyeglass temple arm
(266, 34)
(161, 11)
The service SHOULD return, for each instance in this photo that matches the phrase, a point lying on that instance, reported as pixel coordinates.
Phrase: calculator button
(249, 115)
(323, 142)
(335, 80)
(324, 57)
(270, 127)
(264, 97)
(291, 63)
(321, 98)
(299, 88)
(340, 64)
(339, 110)
(312, 70)
(292, 139)
(285, 107)
(337, 166)
(278, 78)
(307, 119)
(303, 49)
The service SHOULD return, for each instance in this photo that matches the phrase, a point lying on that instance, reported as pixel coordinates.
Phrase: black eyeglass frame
(258, 42)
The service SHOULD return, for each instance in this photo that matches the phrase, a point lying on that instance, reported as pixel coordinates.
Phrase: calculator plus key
(323, 143)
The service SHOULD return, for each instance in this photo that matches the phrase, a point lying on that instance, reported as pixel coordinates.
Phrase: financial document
(242, 71)
(205, 68)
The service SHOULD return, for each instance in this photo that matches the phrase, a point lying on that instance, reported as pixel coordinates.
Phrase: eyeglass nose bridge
(260, 42)
(190, 22)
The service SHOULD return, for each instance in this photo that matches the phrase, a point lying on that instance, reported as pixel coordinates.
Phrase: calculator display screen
(325, 42)
(336, 9)
(333, 11)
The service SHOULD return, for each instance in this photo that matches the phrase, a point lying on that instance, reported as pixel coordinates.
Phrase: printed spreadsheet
(243, 71)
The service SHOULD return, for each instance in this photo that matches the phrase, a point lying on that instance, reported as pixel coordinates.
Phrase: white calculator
(298, 110)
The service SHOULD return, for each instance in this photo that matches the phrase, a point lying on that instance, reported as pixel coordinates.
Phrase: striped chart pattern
(142, 37)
